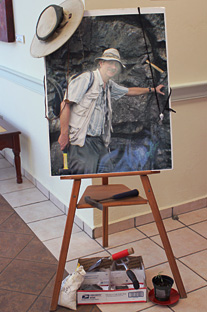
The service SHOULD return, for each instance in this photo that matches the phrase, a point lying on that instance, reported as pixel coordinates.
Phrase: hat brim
(110, 59)
(41, 48)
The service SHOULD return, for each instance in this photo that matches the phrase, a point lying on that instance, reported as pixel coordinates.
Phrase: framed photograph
(113, 73)
(7, 33)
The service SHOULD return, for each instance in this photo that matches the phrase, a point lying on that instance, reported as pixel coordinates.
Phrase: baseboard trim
(148, 218)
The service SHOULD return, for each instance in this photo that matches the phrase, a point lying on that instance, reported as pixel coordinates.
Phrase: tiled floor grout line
(30, 204)
(189, 227)
(154, 266)
(50, 239)
(28, 188)
(44, 219)
(131, 242)
(7, 219)
(194, 290)
(192, 270)
(190, 254)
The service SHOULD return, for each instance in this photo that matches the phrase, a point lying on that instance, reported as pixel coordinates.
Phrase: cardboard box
(114, 284)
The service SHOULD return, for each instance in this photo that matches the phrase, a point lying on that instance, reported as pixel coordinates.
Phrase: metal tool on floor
(122, 257)
(130, 273)
(96, 202)
(116, 256)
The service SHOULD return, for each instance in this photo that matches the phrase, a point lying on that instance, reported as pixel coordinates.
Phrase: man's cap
(55, 25)
(111, 55)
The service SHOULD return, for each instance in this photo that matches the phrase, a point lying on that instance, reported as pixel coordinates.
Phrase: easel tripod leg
(105, 227)
(163, 235)
(105, 219)
(65, 244)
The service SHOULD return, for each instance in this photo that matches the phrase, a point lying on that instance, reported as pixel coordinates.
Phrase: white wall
(24, 106)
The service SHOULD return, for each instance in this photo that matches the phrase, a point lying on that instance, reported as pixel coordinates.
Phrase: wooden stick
(155, 66)
(107, 175)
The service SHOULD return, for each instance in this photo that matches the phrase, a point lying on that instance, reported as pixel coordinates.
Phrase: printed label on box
(111, 296)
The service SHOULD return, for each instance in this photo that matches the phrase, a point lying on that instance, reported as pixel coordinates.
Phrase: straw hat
(111, 55)
(56, 24)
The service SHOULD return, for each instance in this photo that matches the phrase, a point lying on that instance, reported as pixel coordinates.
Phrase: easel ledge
(107, 175)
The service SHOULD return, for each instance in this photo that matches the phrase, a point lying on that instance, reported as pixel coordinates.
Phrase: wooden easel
(100, 192)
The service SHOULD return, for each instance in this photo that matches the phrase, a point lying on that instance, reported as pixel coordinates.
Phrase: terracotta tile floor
(31, 230)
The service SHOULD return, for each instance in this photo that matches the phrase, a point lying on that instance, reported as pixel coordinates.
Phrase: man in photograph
(86, 114)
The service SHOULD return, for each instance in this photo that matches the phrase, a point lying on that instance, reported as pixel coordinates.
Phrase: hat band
(59, 17)
(111, 55)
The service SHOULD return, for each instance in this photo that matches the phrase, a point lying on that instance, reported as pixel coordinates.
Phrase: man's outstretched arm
(138, 91)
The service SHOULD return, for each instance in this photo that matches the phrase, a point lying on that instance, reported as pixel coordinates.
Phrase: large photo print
(113, 75)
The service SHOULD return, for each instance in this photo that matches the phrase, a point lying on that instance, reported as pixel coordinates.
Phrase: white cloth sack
(69, 287)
